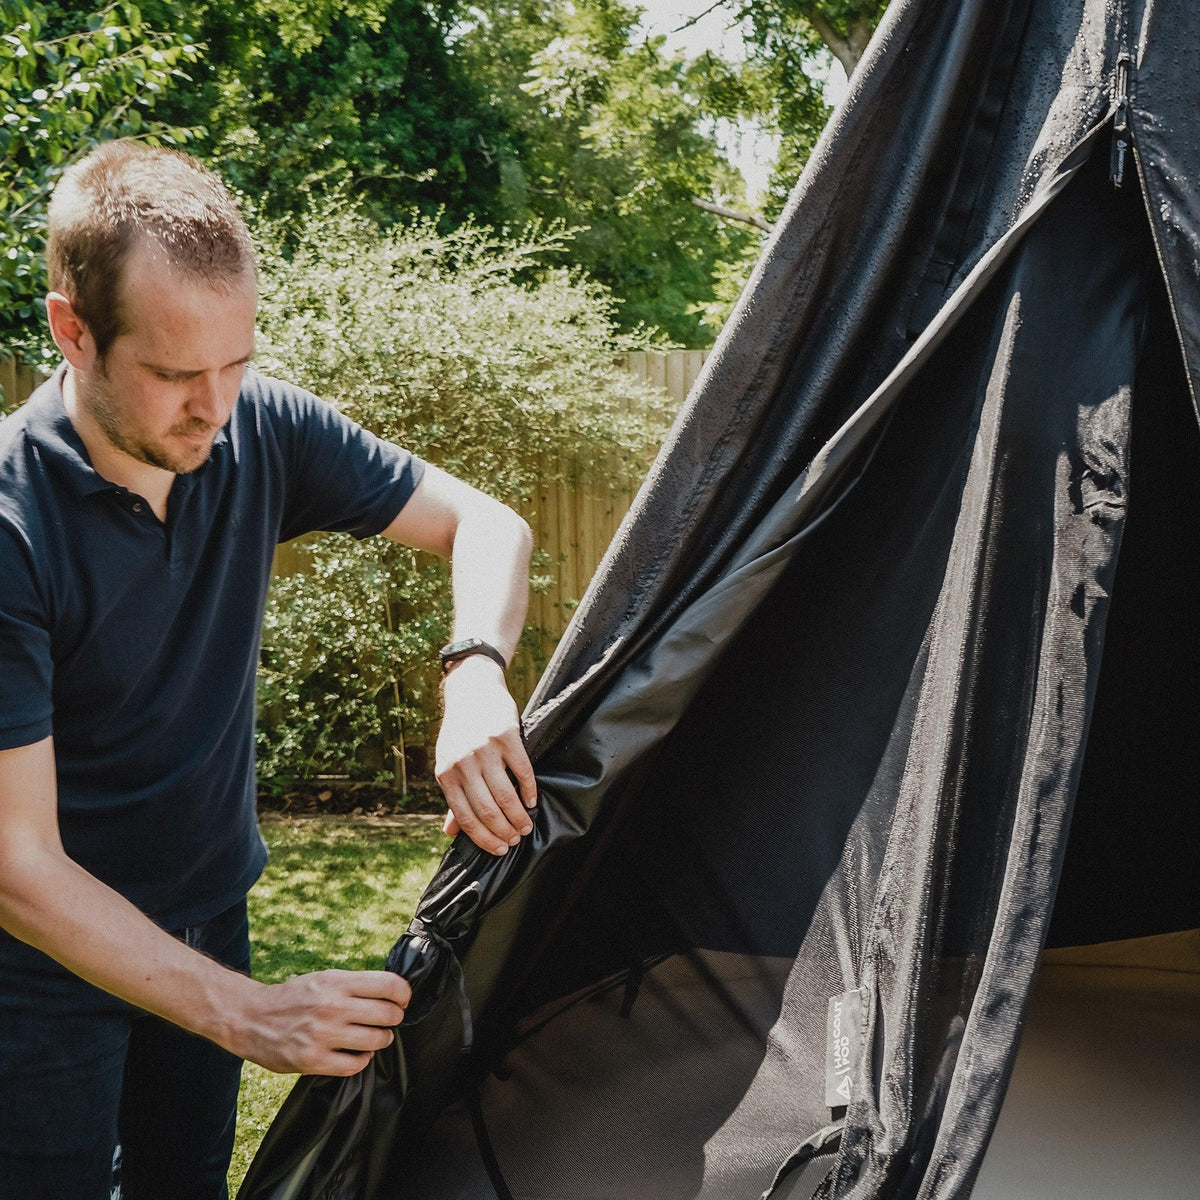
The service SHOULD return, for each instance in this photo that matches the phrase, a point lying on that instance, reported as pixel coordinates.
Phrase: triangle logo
(843, 1088)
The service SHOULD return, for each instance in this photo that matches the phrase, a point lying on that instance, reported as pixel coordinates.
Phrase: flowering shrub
(475, 351)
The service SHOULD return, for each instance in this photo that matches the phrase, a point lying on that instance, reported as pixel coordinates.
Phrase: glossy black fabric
(820, 722)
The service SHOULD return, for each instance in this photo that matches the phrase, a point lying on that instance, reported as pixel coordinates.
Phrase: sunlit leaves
(604, 130)
(794, 40)
(59, 97)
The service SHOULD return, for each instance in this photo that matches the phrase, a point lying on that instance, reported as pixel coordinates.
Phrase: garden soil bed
(345, 798)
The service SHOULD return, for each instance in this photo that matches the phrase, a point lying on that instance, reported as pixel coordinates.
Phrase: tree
(509, 111)
(782, 84)
(62, 92)
(605, 132)
(303, 96)
(506, 111)
(845, 26)
(780, 88)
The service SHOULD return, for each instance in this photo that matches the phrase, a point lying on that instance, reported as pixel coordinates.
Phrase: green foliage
(729, 280)
(480, 356)
(61, 94)
(781, 89)
(506, 111)
(603, 130)
(306, 96)
(794, 39)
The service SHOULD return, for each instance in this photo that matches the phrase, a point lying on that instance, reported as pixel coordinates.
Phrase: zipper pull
(1122, 137)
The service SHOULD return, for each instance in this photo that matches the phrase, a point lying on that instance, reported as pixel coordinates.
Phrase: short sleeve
(338, 476)
(26, 664)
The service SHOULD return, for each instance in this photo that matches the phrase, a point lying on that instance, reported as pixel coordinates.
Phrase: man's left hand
(479, 745)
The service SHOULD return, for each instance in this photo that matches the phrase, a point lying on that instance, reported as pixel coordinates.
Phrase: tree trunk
(847, 50)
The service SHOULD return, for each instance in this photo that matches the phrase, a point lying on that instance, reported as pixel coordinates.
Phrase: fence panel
(18, 382)
(574, 519)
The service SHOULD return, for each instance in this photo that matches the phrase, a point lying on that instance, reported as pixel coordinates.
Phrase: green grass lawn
(333, 895)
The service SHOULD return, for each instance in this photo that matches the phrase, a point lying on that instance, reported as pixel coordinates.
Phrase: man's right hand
(326, 1023)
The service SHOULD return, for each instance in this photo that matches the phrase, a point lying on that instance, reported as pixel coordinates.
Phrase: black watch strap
(455, 651)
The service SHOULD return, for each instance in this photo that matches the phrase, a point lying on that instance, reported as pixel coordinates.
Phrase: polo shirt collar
(49, 426)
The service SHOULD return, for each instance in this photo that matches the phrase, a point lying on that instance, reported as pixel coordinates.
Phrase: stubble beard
(111, 423)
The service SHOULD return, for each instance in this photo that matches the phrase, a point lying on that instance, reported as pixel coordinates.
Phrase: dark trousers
(83, 1073)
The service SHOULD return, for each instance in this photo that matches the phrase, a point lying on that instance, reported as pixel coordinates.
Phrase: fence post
(18, 382)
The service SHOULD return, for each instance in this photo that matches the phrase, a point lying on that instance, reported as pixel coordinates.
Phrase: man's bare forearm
(479, 748)
(490, 567)
(489, 546)
(52, 903)
(328, 1023)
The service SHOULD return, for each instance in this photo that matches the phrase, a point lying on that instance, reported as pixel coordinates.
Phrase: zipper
(1122, 135)
(1124, 147)
(1151, 217)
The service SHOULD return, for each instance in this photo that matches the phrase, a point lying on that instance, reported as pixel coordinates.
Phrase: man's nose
(207, 400)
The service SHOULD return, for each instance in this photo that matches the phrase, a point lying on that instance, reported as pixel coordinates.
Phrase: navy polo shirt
(135, 643)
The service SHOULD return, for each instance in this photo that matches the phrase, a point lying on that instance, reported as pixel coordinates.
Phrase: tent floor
(1104, 1101)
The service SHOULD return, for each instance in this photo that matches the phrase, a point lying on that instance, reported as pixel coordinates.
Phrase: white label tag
(844, 1029)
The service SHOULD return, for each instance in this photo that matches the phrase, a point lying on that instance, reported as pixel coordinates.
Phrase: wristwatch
(455, 651)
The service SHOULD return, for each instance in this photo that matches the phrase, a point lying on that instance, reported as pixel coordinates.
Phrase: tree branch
(847, 50)
(841, 47)
(732, 214)
(699, 17)
(860, 36)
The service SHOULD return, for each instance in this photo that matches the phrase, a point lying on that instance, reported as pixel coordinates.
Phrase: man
(142, 491)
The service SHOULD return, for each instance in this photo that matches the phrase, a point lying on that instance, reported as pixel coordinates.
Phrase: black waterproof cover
(913, 577)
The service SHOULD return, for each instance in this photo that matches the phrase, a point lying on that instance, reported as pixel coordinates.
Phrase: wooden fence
(17, 381)
(572, 522)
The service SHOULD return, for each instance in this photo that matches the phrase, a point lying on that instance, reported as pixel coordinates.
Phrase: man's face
(170, 381)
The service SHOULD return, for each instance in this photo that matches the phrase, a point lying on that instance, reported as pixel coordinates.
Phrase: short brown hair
(124, 191)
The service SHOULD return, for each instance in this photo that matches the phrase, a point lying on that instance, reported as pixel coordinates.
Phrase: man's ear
(70, 332)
